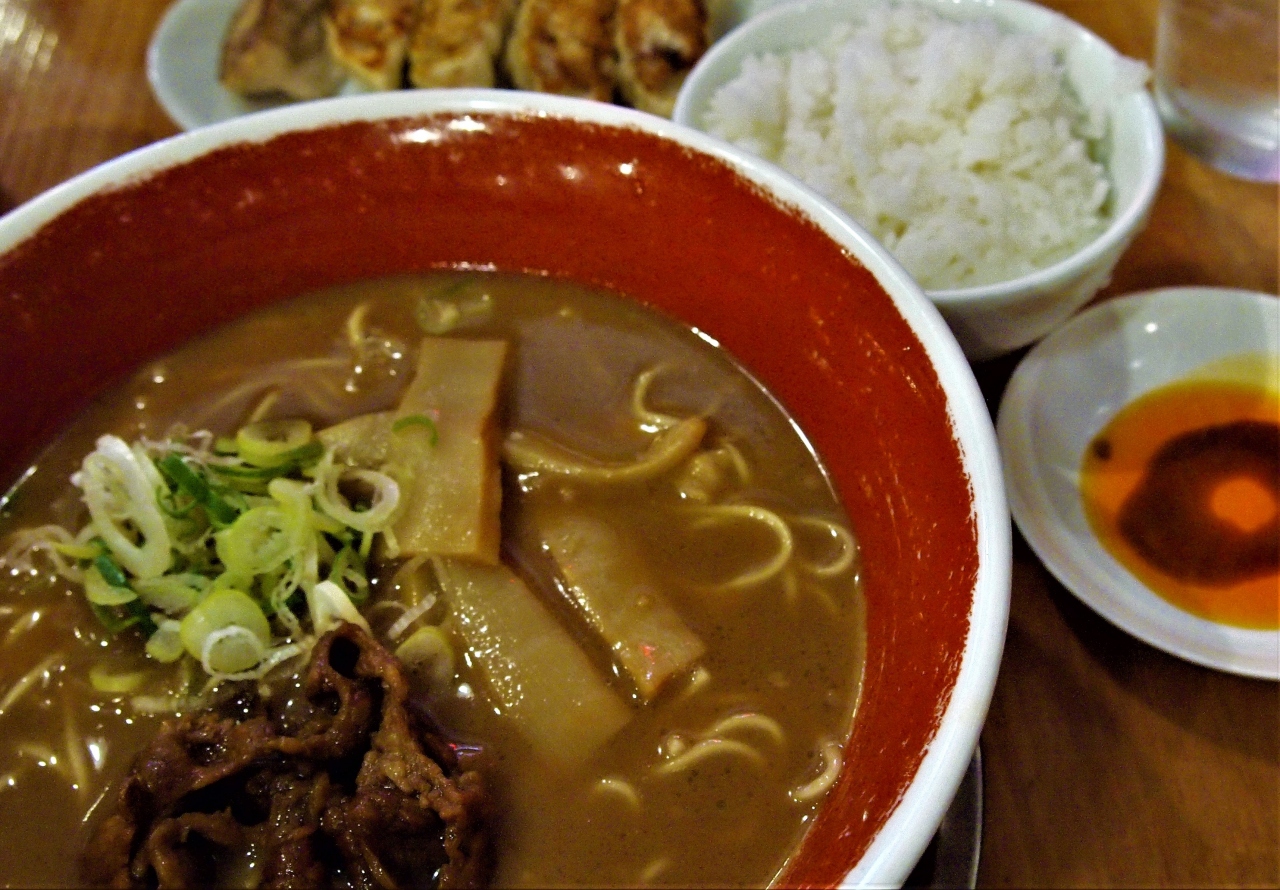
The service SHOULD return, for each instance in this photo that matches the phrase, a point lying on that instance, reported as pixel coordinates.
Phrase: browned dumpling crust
(657, 41)
(565, 47)
(457, 43)
(278, 47)
(637, 51)
(370, 38)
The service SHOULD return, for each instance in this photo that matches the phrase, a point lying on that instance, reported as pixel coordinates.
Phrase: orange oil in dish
(1183, 488)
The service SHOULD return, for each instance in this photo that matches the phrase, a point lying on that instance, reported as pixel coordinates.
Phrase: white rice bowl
(960, 146)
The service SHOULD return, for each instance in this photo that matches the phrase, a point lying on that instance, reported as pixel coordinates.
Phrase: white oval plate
(1065, 391)
(186, 49)
(183, 60)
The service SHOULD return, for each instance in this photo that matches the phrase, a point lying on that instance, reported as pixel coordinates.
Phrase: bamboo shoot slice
(610, 585)
(447, 465)
(535, 672)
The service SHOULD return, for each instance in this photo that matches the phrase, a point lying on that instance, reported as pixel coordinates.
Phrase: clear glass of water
(1217, 75)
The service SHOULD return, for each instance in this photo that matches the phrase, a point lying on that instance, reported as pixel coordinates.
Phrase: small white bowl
(988, 320)
(1061, 396)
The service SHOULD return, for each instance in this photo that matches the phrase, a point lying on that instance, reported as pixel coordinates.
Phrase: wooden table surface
(1107, 762)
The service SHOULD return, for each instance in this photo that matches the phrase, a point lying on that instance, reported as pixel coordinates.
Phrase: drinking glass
(1217, 84)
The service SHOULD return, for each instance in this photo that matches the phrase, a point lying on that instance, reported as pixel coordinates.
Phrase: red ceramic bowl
(133, 258)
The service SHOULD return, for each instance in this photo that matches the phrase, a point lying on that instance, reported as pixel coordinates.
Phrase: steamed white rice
(959, 147)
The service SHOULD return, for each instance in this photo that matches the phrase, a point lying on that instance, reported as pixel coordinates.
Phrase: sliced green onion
(109, 570)
(236, 473)
(252, 479)
(168, 502)
(262, 586)
(230, 650)
(329, 606)
(256, 543)
(165, 645)
(78, 551)
(111, 620)
(410, 421)
(231, 581)
(119, 485)
(295, 601)
(101, 592)
(218, 611)
(103, 679)
(140, 617)
(304, 525)
(188, 480)
(343, 560)
(386, 496)
(173, 594)
(270, 443)
(221, 583)
(116, 620)
(348, 572)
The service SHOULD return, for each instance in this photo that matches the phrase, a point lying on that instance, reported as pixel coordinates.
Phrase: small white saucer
(183, 61)
(1065, 391)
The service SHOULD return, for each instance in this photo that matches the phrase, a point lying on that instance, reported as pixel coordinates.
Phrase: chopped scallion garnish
(229, 585)
(410, 421)
(187, 479)
(111, 571)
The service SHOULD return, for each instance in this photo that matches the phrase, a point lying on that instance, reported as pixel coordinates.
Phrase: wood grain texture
(1108, 763)
(73, 89)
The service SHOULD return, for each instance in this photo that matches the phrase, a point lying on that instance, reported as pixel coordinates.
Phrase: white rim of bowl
(1087, 576)
(911, 824)
(1119, 229)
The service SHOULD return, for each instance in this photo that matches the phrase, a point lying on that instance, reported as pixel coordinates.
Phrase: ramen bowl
(993, 318)
(142, 254)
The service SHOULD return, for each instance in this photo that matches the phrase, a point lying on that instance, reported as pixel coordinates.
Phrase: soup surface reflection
(705, 769)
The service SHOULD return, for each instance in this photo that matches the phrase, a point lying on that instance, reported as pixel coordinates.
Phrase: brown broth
(794, 656)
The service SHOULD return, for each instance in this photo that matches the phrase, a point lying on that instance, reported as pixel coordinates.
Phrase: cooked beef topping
(350, 786)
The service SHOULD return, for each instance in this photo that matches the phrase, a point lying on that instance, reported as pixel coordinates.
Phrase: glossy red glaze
(129, 274)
